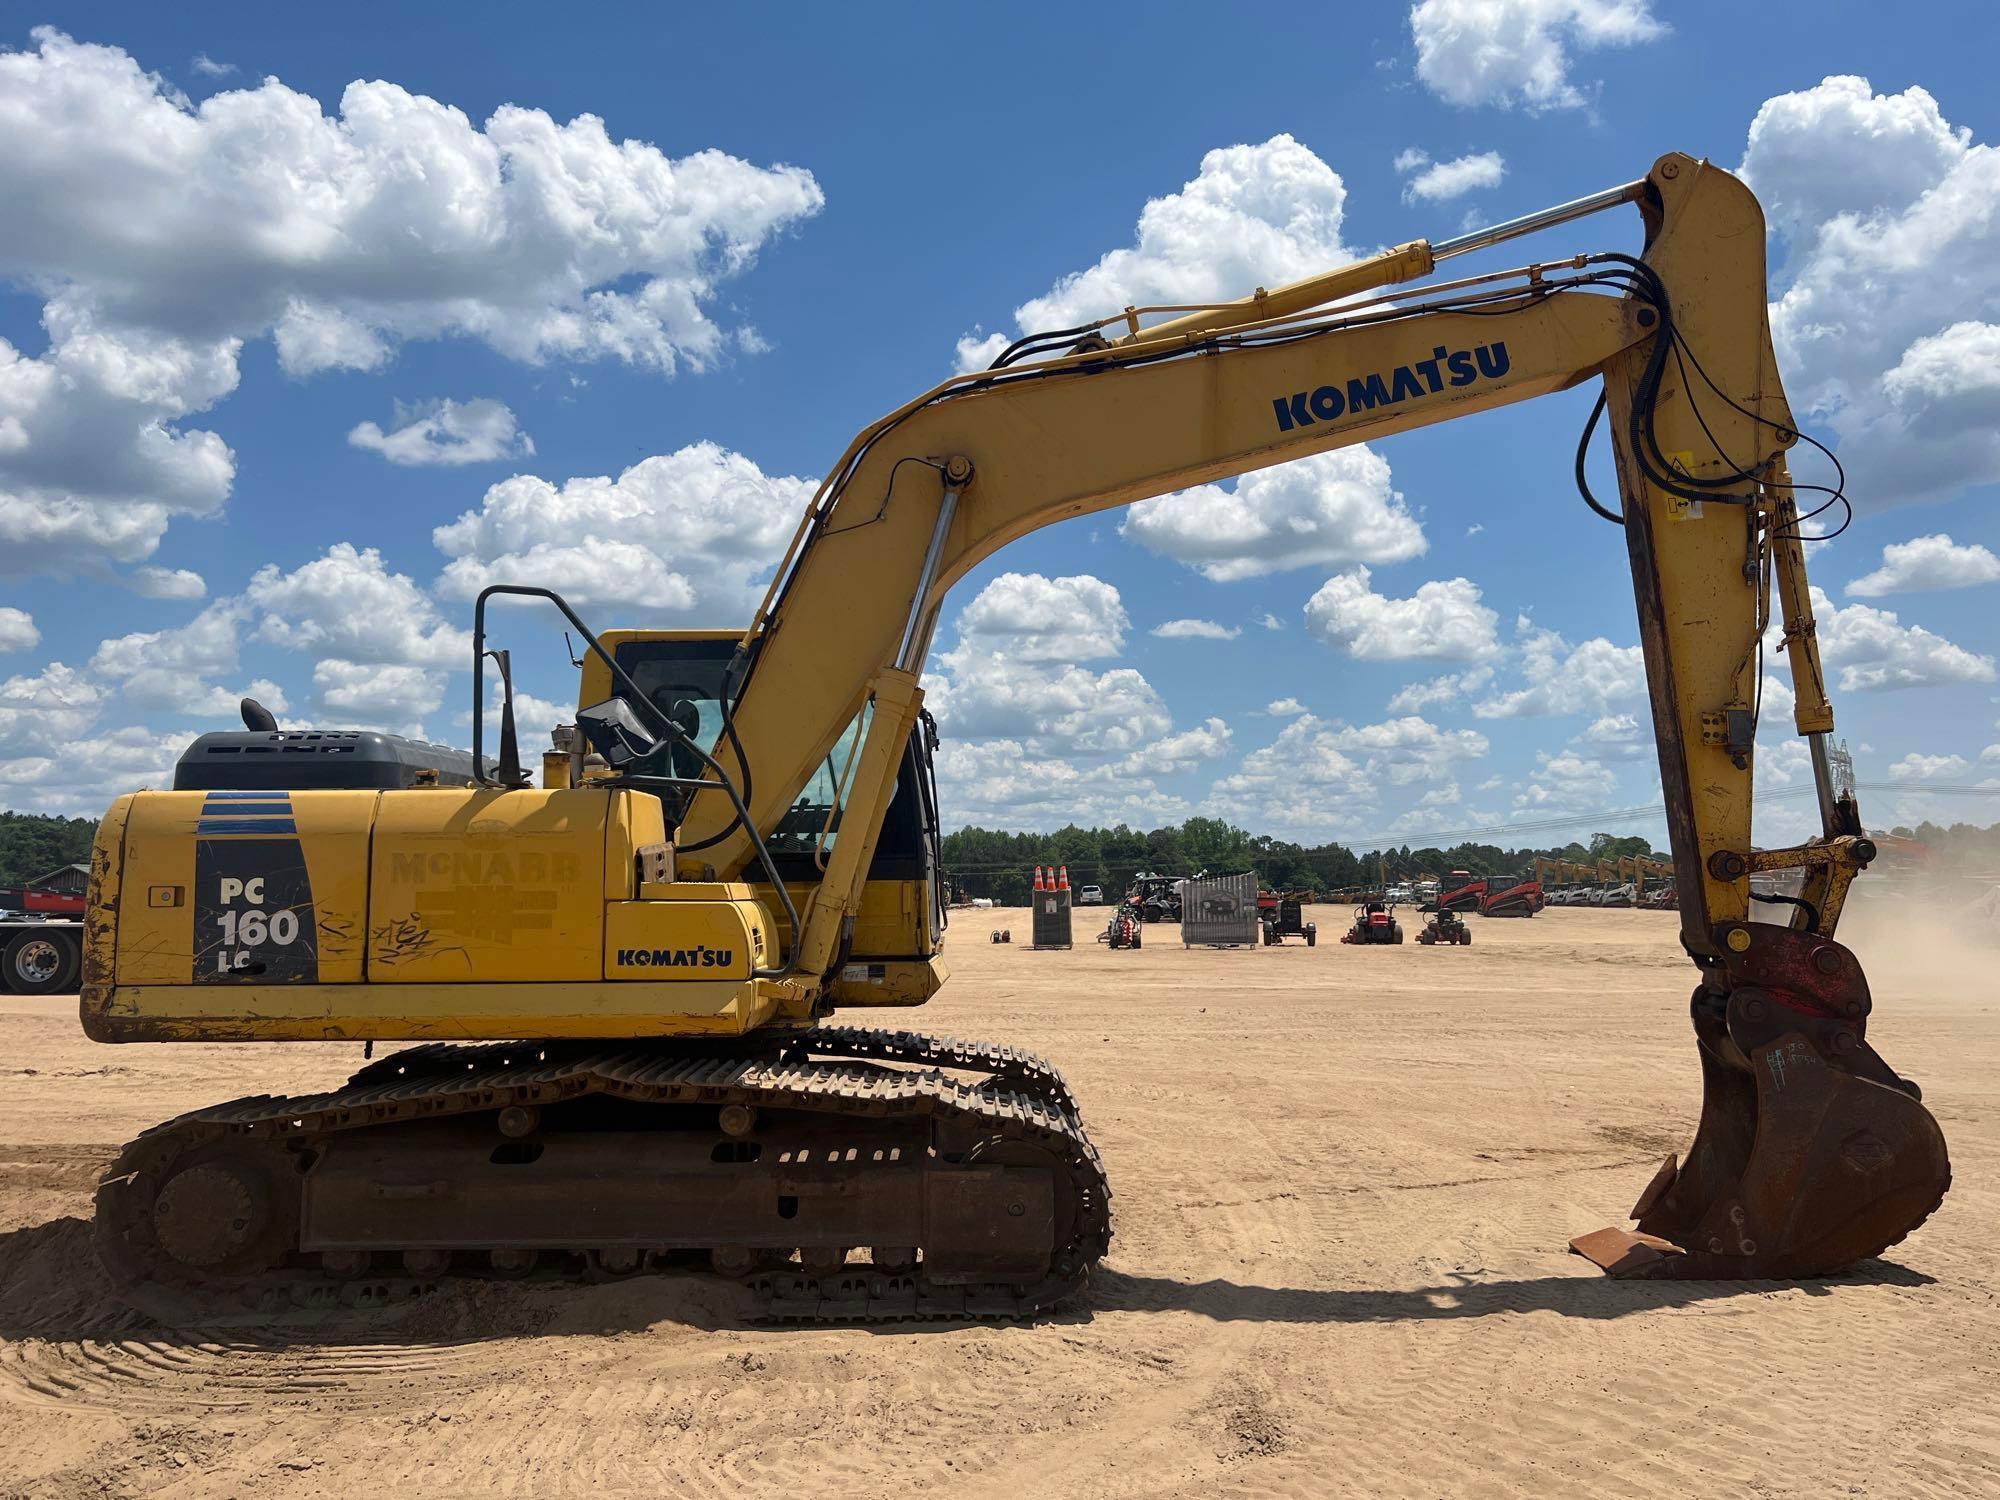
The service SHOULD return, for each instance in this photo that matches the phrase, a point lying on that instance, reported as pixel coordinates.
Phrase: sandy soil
(1344, 1181)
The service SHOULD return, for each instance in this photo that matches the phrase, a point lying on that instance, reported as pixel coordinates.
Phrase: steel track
(835, 1074)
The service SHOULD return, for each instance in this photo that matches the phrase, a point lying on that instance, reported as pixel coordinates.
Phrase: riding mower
(1374, 923)
(1445, 927)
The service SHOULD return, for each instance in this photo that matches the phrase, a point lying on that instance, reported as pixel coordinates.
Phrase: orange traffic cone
(1062, 883)
(1038, 877)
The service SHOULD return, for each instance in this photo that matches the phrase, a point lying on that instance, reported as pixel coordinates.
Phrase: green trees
(32, 845)
(1000, 865)
(1611, 846)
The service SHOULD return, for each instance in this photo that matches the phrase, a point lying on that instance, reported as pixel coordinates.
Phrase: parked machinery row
(1488, 895)
(1630, 881)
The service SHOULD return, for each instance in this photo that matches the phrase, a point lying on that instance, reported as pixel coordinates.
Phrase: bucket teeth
(1621, 1253)
(1811, 1153)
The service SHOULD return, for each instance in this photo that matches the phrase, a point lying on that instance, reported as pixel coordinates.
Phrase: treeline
(32, 845)
(983, 862)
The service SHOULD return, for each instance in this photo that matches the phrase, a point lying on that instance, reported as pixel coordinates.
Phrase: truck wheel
(41, 963)
(1467, 939)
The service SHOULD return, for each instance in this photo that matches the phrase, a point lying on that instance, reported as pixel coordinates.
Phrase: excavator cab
(892, 957)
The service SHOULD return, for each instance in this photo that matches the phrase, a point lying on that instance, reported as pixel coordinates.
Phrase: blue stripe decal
(246, 809)
(246, 825)
(220, 796)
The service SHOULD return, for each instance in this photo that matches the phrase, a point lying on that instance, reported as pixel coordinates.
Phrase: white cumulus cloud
(1517, 52)
(1004, 783)
(1440, 692)
(1566, 782)
(171, 669)
(1566, 679)
(1888, 327)
(1621, 736)
(1301, 784)
(1205, 630)
(447, 432)
(1928, 562)
(377, 695)
(1874, 652)
(1920, 767)
(1328, 510)
(1208, 740)
(79, 777)
(1028, 617)
(17, 630)
(1254, 215)
(1408, 749)
(152, 582)
(1437, 182)
(1013, 674)
(38, 713)
(1443, 619)
(162, 234)
(678, 535)
(347, 605)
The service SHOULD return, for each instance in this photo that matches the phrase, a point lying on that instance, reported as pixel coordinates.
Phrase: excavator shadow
(1582, 1296)
(51, 1288)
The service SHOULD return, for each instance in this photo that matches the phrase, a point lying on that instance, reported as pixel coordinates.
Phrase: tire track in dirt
(171, 1372)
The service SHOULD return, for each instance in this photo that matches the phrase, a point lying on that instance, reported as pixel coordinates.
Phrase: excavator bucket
(1811, 1153)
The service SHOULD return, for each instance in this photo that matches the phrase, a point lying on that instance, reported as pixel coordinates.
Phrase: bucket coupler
(1811, 1153)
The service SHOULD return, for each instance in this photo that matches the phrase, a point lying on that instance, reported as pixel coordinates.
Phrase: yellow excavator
(622, 978)
(1636, 869)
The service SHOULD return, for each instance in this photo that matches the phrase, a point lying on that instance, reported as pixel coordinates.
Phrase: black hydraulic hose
(727, 703)
(1582, 451)
(1811, 911)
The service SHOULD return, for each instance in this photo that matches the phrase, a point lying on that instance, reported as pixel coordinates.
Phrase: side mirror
(614, 732)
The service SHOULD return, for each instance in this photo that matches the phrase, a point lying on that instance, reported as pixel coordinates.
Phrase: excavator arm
(1811, 1151)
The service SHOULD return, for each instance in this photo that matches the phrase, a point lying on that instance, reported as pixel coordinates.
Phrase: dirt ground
(1343, 1182)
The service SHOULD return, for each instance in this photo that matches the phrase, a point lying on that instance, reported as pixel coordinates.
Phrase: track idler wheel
(211, 1216)
(1811, 1153)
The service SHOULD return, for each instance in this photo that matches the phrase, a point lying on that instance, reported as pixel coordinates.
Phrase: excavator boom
(676, 919)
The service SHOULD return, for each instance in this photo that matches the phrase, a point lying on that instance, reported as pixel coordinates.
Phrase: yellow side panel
(891, 922)
(232, 888)
(887, 982)
(476, 885)
(636, 819)
(684, 940)
(442, 1012)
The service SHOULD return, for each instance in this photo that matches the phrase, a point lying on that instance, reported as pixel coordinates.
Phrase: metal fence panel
(1221, 910)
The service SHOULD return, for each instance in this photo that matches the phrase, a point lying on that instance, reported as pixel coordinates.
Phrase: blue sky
(786, 225)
